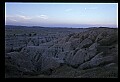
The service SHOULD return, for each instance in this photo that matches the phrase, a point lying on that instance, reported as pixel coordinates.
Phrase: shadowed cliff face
(61, 52)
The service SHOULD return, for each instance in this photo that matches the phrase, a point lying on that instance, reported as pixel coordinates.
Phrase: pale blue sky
(61, 14)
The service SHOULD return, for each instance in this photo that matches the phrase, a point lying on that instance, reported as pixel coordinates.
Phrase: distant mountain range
(14, 26)
(20, 26)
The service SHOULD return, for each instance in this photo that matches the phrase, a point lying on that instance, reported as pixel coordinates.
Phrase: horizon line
(62, 26)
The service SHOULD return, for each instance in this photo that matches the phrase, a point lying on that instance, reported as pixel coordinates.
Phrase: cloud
(24, 17)
(68, 10)
(8, 16)
(43, 16)
(18, 17)
(13, 20)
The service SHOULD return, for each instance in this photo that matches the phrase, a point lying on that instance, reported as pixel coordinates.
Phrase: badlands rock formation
(96, 47)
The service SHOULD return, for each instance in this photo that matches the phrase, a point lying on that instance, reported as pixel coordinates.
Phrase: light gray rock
(103, 60)
(101, 35)
(93, 46)
(30, 43)
(78, 58)
(69, 57)
(21, 62)
(50, 63)
(16, 55)
(85, 42)
(67, 46)
(44, 52)
(92, 35)
(35, 41)
(74, 43)
(34, 54)
(8, 49)
(111, 64)
(33, 50)
(18, 49)
(82, 56)
(96, 61)
(99, 55)
(88, 64)
(63, 55)
(90, 54)
(53, 51)
(50, 53)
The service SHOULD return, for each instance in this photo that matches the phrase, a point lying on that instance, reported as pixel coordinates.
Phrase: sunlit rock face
(46, 53)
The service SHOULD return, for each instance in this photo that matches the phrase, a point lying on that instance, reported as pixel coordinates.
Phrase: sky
(61, 14)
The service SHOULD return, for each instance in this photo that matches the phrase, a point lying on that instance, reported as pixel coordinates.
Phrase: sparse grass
(69, 72)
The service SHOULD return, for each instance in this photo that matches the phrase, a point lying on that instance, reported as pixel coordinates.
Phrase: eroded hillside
(62, 53)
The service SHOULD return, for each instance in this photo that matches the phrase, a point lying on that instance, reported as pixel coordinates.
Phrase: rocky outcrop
(94, 46)
(50, 63)
(17, 62)
(97, 61)
(30, 43)
(85, 43)
(8, 49)
(89, 49)
(80, 57)
(111, 64)
(34, 54)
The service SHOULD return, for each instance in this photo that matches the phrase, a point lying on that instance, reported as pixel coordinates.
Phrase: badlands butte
(42, 52)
